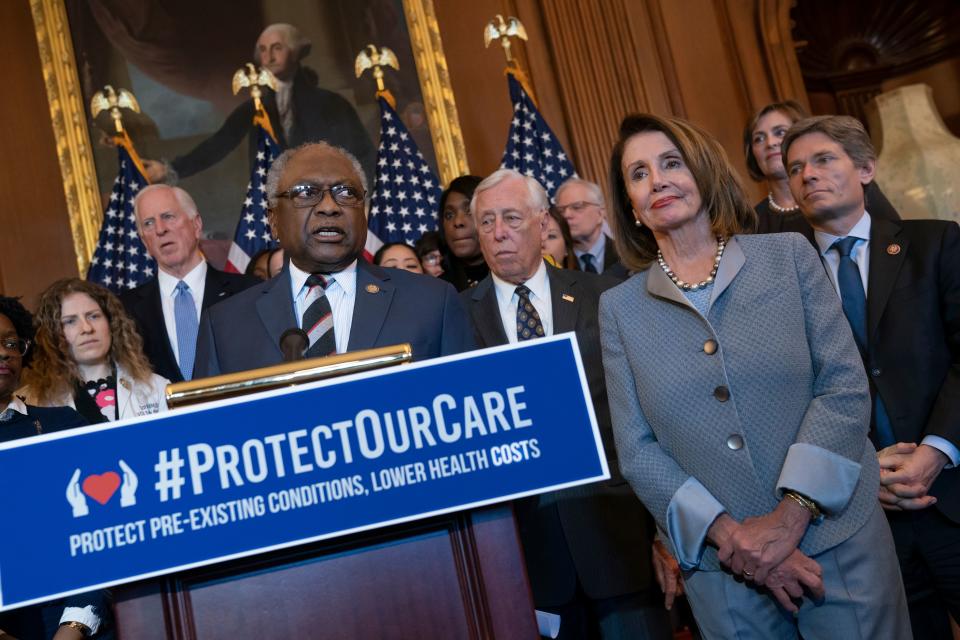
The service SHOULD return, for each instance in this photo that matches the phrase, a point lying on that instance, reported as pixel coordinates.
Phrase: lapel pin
(221, 294)
(567, 297)
(893, 249)
(372, 288)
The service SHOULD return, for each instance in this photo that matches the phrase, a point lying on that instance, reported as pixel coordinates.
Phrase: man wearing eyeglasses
(167, 308)
(581, 204)
(587, 549)
(316, 194)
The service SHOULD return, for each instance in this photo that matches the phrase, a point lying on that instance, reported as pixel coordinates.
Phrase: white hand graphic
(75, 496)
(128, 490)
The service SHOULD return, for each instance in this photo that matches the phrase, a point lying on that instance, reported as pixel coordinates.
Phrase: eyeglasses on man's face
(18, 346)
(310, 195)
(574, 207)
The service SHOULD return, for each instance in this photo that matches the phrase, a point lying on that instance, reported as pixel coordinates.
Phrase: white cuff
(944, 446)
(691, 511)
(825, 477)
(85, 616)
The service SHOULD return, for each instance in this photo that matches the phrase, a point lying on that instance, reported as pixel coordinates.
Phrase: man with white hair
(167, 308)
(587, 549)
(299, 110)
(581, 204)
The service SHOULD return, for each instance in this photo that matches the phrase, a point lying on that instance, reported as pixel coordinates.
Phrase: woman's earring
(638, 223)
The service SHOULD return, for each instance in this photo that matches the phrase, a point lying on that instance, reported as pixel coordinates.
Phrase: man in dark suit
(170, 227)
(581, 204)
(588, 549)
(343, 303)
(900, 286)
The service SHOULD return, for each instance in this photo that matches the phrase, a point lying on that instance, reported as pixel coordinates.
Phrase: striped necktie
(318, 318)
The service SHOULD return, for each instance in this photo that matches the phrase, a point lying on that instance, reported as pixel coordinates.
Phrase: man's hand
(667, 570)
(760, 544)
(155, 170)
(788, 580)
(907, 471)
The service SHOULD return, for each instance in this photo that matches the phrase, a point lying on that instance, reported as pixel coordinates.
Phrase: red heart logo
(102, 487)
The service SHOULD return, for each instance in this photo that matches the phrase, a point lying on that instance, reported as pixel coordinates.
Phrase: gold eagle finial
(502, 30)
(370, 58)
(250, 77)
(112, 100)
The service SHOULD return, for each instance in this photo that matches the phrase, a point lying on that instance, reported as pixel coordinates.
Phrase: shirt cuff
(825, 477)
(691, 511)
(86, 616)
(944, 446)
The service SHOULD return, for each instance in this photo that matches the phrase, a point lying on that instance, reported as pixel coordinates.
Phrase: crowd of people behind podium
(777, 385)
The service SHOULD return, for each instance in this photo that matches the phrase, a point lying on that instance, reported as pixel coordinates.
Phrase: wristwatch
(816, 515)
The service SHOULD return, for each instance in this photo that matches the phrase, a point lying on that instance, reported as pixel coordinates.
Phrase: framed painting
(178, 58)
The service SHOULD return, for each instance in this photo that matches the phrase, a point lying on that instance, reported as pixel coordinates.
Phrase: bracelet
(79, 626)
(816, 515)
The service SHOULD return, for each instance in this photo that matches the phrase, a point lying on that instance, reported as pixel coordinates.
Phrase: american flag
(120, 260)
(406, 191)
(253, 231)
(532, 149)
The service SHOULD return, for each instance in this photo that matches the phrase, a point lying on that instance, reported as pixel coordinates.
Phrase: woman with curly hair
(90, 356)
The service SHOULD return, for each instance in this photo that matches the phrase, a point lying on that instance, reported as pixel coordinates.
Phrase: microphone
(293, 344)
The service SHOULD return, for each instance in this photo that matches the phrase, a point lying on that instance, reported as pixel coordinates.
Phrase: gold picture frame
(69, 121)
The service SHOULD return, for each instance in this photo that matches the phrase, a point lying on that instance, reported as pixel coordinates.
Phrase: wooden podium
(459, 575)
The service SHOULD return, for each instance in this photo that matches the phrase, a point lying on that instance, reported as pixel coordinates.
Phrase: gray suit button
(710, 347)
(876, 371)
(735, 442)
(721, 393)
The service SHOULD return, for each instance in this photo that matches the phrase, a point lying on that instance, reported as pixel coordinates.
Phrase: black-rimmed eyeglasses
(310, 195)
(18, 346)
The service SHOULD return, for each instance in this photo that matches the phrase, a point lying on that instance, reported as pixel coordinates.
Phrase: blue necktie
(855, 308)
(185, 316)
(851, 291)
(588, 265)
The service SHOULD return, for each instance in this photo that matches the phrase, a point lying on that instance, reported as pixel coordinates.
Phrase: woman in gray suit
(740, 405)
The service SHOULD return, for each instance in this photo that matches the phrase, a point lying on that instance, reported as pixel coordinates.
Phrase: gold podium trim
(288, 374)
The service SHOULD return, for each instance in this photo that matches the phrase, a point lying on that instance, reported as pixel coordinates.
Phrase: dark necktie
(318, 319)
(851, 291)
(855, 308)
(528, 320)
(588, 265)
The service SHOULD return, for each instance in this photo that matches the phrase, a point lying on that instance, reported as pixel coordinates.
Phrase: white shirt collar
(17, 405)
(347, 278)
(538, 283)
(860, 230)
(195, 279)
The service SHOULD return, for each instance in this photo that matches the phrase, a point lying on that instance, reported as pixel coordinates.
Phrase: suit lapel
(486, 314)
(564, 299)
(884, 267)
(373, 297)
(275, 307)
(213, 288)
(153, 309)
(610, 256)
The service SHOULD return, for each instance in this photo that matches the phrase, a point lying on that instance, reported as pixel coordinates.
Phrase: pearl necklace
(687, 286)
(778, 208)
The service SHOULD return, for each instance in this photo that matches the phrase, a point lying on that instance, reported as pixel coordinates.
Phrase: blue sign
(109, 504)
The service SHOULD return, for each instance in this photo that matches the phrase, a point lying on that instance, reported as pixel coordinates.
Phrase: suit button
(876, 371)
(721, 393)
(710, 347)
(735, 442)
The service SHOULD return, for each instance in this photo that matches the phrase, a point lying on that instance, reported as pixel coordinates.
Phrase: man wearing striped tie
(899, 282)
(317, 195)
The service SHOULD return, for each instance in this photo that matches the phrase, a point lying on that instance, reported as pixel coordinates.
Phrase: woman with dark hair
(459, 234)
(266, 263)
(557, 243)
(740, 405)
(429, 250)
(89, 356)
(398, 255)
(84, 615)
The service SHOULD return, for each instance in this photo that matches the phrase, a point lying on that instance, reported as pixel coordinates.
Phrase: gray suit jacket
(392, 306)
(782, 403)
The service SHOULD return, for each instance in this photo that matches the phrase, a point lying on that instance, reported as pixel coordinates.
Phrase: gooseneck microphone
(293, 344)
